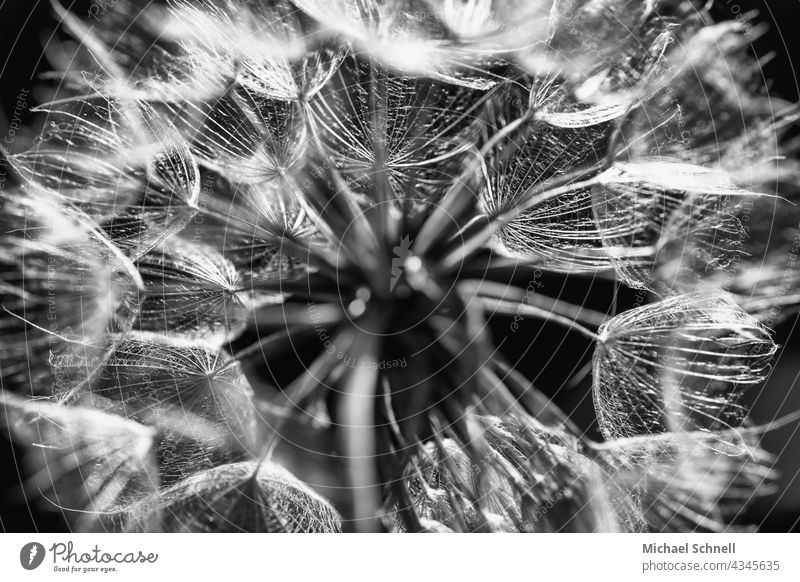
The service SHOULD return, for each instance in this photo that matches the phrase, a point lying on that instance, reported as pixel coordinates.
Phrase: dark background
(26, 26)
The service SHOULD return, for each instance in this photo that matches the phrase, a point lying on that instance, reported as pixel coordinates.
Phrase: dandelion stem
(512, 293)
(271, 340)
(357, 410)
(509, 308)
(454, 198)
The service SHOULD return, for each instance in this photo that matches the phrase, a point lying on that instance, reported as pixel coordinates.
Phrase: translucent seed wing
(121, 165)
(681, 363)
(191, 290)
(89, 464)
(67, 294)
(201, 406)
(243, 497)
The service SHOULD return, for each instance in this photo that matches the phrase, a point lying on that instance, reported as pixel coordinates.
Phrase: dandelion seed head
(357, 185)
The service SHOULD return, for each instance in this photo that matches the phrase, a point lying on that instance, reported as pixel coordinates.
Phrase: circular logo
(31, 555)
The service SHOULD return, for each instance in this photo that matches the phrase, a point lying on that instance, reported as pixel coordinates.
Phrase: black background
(26, 26)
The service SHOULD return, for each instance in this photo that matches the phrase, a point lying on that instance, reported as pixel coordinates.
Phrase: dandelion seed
(561, 230)
(704, 347)
(89, 464)
(371, 121)
(251, 225)
(66, 293)
(691, 481)
(121, 165)
(446, 42)
(270, 47)
(663, 239)
(242, 497)
(247, 138)
(527, 479)
(203, 410)
(191, 290)
(261, 164)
